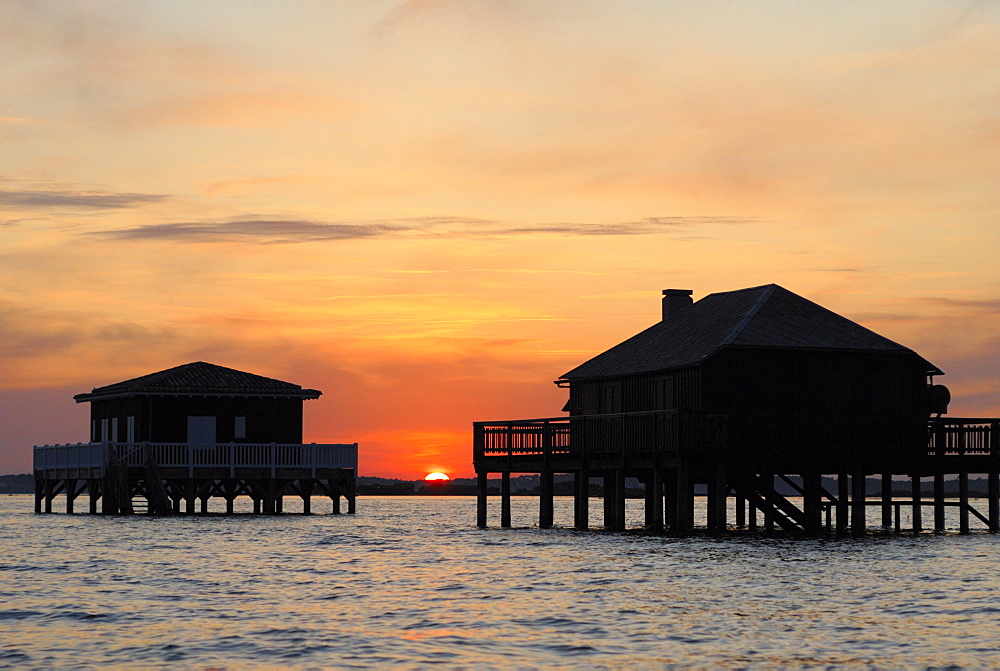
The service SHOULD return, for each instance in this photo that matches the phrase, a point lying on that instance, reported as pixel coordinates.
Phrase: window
(240, 431)
(130, 429)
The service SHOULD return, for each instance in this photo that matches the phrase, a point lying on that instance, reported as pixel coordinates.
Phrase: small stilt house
(734, 393)
(190, 433)
(800, 386)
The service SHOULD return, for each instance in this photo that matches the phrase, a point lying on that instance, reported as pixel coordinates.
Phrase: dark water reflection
(412, 582)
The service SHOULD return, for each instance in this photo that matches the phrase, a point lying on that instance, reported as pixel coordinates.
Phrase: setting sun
(437, 476)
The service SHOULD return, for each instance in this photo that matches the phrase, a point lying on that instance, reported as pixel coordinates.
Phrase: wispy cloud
(284, 231)
(252, 230)
(55, 198)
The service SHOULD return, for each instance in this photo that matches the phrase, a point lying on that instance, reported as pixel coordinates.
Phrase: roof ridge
(768, 292)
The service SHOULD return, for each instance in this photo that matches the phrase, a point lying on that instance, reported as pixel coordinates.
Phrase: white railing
(75, 456)
(183, 455)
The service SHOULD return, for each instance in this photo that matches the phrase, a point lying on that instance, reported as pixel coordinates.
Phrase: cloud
(285, 231)
(100, 200)
(252, 230)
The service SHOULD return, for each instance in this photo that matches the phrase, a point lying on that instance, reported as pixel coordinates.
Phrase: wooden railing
(184, 455)
(661, 431)
(963, 436)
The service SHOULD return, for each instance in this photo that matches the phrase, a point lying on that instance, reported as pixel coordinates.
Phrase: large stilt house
(731, 392)
(192, 432)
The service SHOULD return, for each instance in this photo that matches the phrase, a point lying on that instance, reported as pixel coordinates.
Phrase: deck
(671, 451)
(159, 477)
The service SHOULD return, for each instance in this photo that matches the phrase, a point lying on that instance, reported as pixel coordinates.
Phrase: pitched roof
(200, 379)
(765, 316)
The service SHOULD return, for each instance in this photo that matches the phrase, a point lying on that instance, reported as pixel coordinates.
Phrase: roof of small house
(200, 379)
(768, 316)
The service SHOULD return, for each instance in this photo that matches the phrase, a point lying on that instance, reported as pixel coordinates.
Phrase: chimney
(675, 300)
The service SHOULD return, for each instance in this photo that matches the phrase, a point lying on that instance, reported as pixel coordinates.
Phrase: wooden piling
(858, 508)
(887, 500)
(545, 503)
(481, 491)
(915, 493)
(581, 500)
(963, 503)
(505, 499)
(993, 494)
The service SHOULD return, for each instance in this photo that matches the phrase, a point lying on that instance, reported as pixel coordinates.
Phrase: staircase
(774, 506)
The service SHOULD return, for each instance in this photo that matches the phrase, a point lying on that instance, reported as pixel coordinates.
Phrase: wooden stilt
(481, 491)
(70, 495)
(812, 499)
(647, 495)
(619, 524)
(915, 493)
(859, 493)
(505, 499)
(768, 480)
(581, 503)
(843, 499)
(741, 512)
(93, 493)
(656, 484)
(609, 481)
(545, 503)
(993, 494)
(351, 488)
(939, 523)
(887, 500)
(963, 503)
(683, 501)
(716, 503)
(305, 491)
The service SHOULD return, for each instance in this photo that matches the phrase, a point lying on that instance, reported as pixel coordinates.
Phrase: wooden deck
(160, 477)
(670, 452)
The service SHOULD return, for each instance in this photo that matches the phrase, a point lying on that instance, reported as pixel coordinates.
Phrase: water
(410, 582)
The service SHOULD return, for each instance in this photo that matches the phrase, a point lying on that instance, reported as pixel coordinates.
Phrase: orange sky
(431, 209)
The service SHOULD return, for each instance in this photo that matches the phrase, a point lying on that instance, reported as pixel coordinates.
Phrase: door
(201, 431)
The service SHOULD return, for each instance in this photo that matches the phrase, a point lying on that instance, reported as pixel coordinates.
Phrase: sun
(436, 476)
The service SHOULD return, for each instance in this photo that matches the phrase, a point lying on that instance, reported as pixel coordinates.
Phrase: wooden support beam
(619, 523)
(963, 503)
(741, 512)
(993, 494)
(843, 500)
(305, 491)
(716, 499)
(915, 493)
(768, 480)
(481, 491)
(656, 500)
(581, 500)
(859, 493)
(608, 478)
(683, 501)
(545, 503)
(505, 499)
(70, 495)
(93, 493)
(812, 499)
(887, 500)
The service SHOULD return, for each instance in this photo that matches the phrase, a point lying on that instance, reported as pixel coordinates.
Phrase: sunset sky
(430, 209)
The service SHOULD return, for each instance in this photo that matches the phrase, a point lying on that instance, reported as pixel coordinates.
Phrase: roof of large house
(768, 316)
(200, 379)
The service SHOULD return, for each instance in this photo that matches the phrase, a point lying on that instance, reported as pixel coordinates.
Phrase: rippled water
(412, 582)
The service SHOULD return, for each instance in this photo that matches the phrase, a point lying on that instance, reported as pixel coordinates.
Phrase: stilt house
(800, 386)
(736, 390)
(192, 432)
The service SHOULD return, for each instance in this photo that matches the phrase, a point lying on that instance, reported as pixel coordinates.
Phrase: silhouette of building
(731, 392)
(192, 432)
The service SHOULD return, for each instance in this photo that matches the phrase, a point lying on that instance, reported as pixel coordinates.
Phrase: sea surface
(411, 582)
